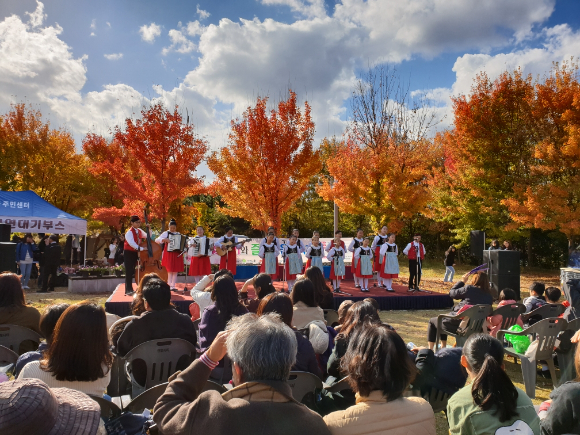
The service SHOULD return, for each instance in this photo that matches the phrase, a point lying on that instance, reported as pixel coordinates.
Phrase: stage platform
(401, 299)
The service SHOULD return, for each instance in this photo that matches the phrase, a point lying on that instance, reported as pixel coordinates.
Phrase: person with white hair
(262, 350)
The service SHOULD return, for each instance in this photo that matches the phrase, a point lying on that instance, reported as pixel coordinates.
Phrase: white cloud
(108, 25)
(114, 56)
(202, 14)
(179, 42)
(194, 28)
(37, 17)
(94, 24)
(150, 32)
(307, 8)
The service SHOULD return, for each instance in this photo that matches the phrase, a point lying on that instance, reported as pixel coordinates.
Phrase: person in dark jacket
(536, 299)
(41, 248)
(449, 263)
(441, 370)
(281, 304)
(52, 254)
(476, 292)
(25, 258)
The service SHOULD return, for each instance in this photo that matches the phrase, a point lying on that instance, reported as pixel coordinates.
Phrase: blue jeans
(449, 271)
(25, 269)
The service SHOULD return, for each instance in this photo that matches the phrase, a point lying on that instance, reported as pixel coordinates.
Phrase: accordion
(176, 242)
(201, 246)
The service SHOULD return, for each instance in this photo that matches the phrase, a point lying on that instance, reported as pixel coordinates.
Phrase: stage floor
(120, 304)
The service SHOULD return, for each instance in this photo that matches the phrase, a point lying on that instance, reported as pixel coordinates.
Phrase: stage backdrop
(248, 254)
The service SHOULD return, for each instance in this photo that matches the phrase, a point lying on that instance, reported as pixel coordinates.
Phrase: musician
(354, 245)
(131, 251)
(228, 261)
(379, 240)
(172, 260)
(292, 261)
(390, 270)
(336, 256)
(198, 255)
(415, 261)
(269, 252)
(363, 262)
(314, 253)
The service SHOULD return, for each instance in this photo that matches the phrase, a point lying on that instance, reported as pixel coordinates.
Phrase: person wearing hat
(172, 260)
(29, 406)
(415, 251)
(131, 251)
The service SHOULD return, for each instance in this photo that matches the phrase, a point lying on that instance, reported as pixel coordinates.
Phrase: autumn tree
(150, 162)
(382, 167)
(550, 199)
(34, 156)
(268, 162)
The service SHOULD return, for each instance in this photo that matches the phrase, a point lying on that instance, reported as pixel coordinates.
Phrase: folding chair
(161, 357)
(472, 323)
(566, 359)
(304, 386)
(545, 333)
(7, 356)
(147, 399)
(510, 314)
(12, 336)
(108, 409)
(211, 385)
(331, 317)
(339, 386)
(548, 311)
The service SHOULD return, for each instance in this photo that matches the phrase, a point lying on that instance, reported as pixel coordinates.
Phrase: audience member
(78, 355)
(13, 308)
(506, 297)
(115, 332)
(263, 286)
(476, 292)
(374, 303)
(441, 370)
(379, 371)
(536, 299)
(201, 292)
(47, 324)
(52, 254)
(490, 403)
(323, 294)
(280, 303)
(563, 408)
(553, 295)
(30, 407)
(160, 320)
(138, 303)
(24, 258)
(507, 246)
(359, 313)
(305, 308)
(495, 246)
(342, 312)
(262, 350)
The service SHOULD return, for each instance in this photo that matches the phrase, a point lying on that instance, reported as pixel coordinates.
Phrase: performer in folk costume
(172, 261)
(390, 270)
(363, 262)
(292, 261)
(131, 251)
(314, 253)
(299, 242)
(228, 261)
(273, 231)
(379, 240)
(354, 245)
(336, 256)
(269, 252)
(198, 255)
(416, 253)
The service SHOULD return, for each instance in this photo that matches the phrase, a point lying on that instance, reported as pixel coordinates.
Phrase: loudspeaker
(477, 243)
(504, 270)
(5, 232)
(7, 256)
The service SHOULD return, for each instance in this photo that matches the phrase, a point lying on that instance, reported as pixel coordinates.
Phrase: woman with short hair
(13, 308)
(306, 309)
(490, 403)
(78, 356)
(379, 371)
(263, 286)
(322, 292)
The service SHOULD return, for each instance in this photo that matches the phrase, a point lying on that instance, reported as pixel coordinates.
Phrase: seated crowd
(253, 344)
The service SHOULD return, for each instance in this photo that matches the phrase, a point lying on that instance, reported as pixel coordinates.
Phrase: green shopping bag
(519, 342)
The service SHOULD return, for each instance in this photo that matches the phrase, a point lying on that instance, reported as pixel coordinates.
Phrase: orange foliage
(151, 162)
(268, 162)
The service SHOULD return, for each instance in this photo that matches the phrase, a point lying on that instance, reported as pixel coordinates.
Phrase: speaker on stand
(504, 270)
(7, 257)
(5, 232)
(477, 243)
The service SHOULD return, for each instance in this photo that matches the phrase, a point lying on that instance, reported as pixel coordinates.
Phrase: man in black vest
(52, 254)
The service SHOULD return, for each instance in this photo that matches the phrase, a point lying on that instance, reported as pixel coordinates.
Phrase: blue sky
(88, 65)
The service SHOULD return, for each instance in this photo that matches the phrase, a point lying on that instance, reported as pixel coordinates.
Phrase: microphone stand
(186, 267)
(283, 246)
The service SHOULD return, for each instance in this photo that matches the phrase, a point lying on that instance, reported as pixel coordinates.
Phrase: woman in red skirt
(172, 261)
(198, 256)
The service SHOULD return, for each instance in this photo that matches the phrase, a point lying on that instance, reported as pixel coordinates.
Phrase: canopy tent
(26, 212)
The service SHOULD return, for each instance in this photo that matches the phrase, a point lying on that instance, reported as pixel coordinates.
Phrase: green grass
(411, 325)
